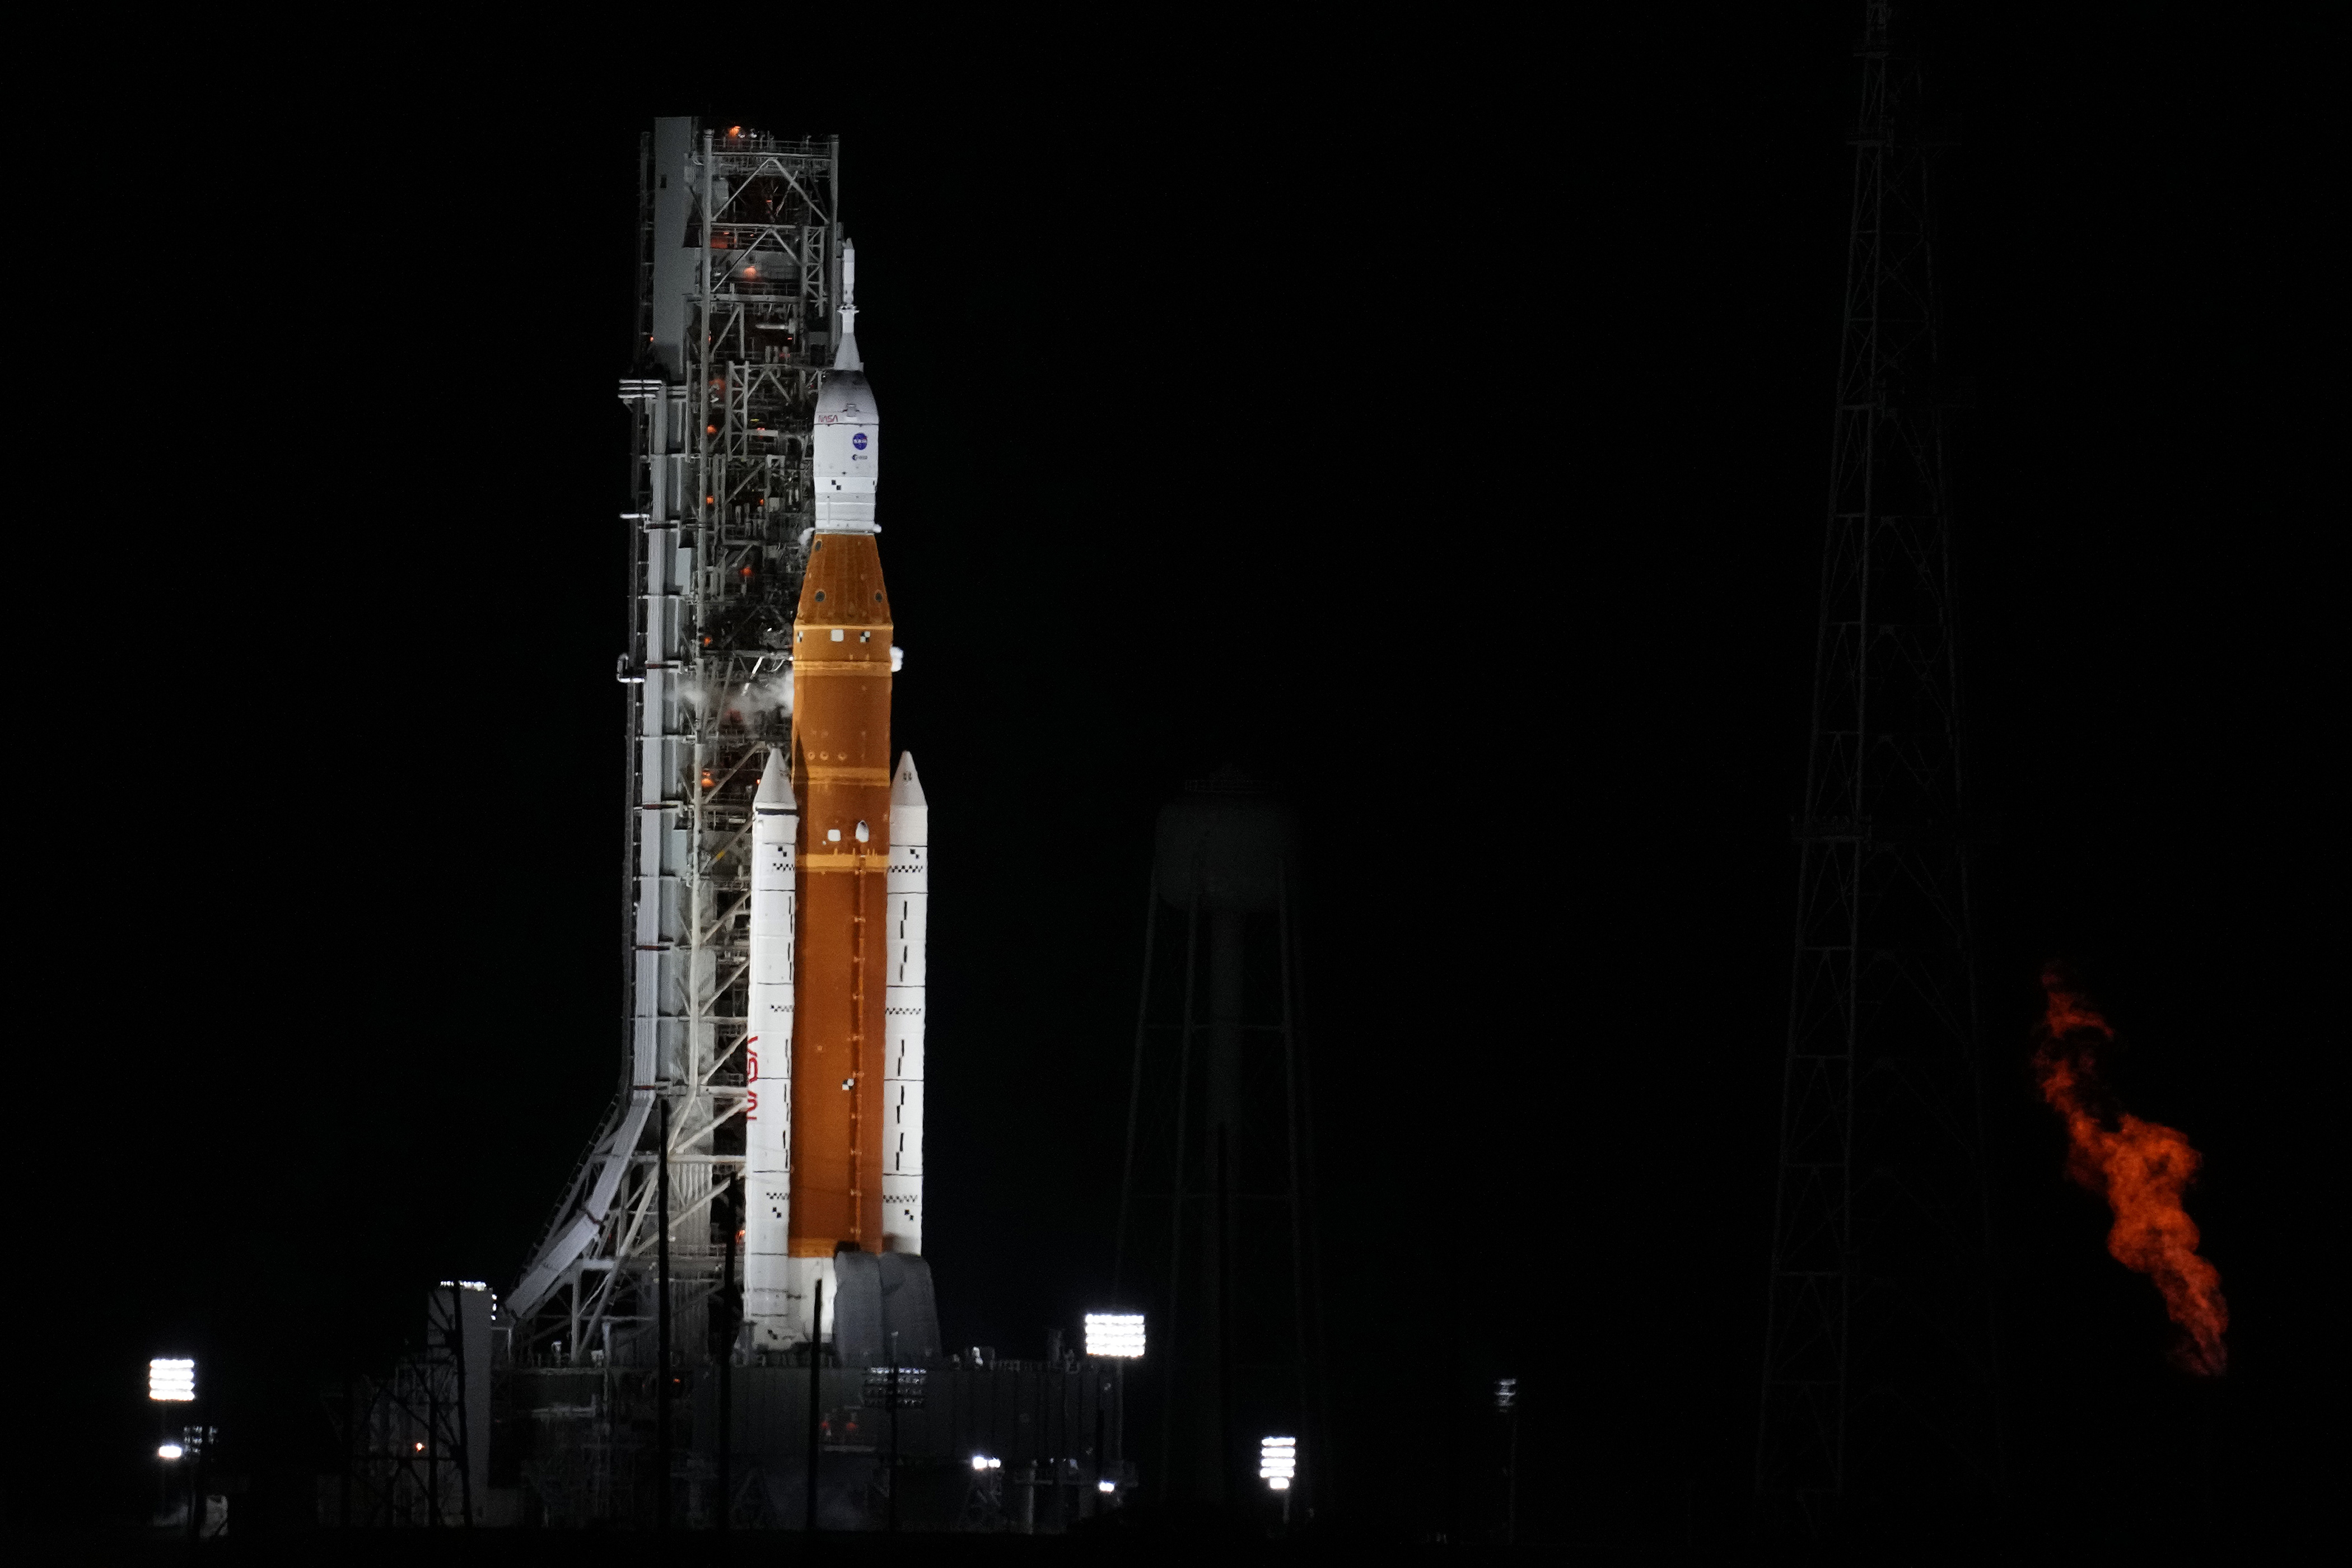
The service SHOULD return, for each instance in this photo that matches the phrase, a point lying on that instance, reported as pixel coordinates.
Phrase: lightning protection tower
(1879, 1386)
(739, 271)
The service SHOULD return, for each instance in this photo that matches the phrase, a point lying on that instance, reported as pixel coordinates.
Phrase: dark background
(1233, 379)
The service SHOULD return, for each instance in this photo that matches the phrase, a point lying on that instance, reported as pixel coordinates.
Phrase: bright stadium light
(171, 1379)
(170, 1451)
(1277, 1462)
(1115, 1333)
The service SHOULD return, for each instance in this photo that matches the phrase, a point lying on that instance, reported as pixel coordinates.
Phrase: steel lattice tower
(1878, 1388)
(739, 274)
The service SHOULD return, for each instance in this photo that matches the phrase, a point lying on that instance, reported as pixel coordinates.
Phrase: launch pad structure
(727, 1307)
(737, 276)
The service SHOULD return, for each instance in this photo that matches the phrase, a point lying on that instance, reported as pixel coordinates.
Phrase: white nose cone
(910, 813)
(775, 794)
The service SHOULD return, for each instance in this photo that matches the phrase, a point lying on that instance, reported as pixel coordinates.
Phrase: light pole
(1506, 1404)
(730, 1314)
(170, 1380)
(167, 1454)
(816, 1398)
(1115, 1337)
(898, 1388)
(893, 1432)
(661, 1275)
(1278, 1467)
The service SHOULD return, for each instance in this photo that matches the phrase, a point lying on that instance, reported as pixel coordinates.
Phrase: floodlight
(170, 1451)
(1507, 1393)
(1115, 1333)
(171, 1379)
(982, 1462)
(1277, 1462)
(1106, 1486)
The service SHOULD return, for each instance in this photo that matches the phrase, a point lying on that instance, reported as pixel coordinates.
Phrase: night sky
(1202, 402)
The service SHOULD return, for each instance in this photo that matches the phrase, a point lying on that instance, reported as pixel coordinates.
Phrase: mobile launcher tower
(757, 591)
(775, 886)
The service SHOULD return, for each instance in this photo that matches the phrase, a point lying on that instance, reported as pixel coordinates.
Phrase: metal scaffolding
(738, 271)
(1878, 1390)
(415, 1442)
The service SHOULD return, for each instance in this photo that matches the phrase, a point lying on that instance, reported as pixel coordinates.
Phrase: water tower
(1214, 1238)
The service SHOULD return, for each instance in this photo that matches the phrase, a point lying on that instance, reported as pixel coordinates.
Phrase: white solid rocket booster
(909, 915)
(768, 1064)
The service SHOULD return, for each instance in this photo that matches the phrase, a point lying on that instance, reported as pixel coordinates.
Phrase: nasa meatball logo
(858, 440)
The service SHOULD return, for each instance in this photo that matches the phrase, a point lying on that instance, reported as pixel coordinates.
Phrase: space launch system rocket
(793, 908)
(840, 891)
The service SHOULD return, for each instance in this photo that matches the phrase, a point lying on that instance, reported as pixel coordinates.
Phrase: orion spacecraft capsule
(840, 896)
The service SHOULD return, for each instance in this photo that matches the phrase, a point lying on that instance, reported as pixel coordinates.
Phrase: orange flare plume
(2140, 1167)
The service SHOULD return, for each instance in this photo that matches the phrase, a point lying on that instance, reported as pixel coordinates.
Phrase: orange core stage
(841, 773)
